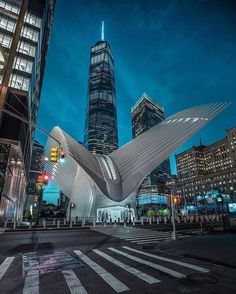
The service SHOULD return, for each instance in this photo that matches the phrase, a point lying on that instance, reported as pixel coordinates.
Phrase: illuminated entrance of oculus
(98, 184)
(115, 214)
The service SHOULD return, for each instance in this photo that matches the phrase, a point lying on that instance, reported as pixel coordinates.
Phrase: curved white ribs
(120, 173)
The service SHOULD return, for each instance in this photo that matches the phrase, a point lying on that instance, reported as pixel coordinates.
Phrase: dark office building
(146, 113)
(101, 135)
(33, 196)
(25, 28)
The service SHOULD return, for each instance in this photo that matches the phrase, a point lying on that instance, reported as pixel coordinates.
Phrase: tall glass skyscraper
(146, 113)
(101, 135)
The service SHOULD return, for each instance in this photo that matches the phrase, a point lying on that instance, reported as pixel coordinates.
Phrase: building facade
(147, 113)
(25, 28)
(34, 196)
(101, 134)
(204, 168)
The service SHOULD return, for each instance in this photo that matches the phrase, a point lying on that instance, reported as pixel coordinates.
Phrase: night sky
(181, 53)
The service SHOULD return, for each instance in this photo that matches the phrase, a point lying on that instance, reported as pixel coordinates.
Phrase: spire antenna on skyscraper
(102, 31)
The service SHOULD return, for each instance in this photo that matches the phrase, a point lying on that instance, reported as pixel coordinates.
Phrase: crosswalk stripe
(107, 277)
(73, 282)
(5, 265)
(185, 264)
(31, 285)
(146, 236)
(154, 237)
(137, 273)
(151, 264)
(152, 241)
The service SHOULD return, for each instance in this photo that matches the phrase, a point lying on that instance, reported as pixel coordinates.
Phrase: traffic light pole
(173, 215)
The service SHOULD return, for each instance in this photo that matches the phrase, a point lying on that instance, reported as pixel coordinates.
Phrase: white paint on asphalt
(107, 277)
(152, 240)
(5, 265)
(73, 282)
(133, 271)
(185, 264)
(151, 264)
(31, 285)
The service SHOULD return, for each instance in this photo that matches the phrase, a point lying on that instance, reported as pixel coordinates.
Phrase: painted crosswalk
(139, 236)
(118, 269)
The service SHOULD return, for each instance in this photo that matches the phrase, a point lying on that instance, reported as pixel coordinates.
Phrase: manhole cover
(58, 260)
(202, 278)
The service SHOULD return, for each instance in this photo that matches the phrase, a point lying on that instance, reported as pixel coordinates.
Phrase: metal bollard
(30, 225)
(150, 220)
(105, 224)
(58, 223)
(94, 223)
(133, 223)
(14, 225)
(165, 220)
(64, 221)
(44, 223)
(158, 221)
(53, 222)
(124, 224)
(115, 224)
(70, 223)
(74, 221)
(5, 224)
(142, 221)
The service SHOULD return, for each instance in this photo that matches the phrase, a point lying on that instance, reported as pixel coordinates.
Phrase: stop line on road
(98, 261)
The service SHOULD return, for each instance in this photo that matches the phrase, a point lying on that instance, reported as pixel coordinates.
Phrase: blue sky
(181, 53)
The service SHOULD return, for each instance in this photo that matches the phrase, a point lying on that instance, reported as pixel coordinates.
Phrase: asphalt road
(86, 261)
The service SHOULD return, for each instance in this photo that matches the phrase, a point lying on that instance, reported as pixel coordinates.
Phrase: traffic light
(54, 154)
(38, 186)
(61, 153)
(36, 198)
(45, 178)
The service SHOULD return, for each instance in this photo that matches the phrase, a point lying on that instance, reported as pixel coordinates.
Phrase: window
(23, 64)
(19, 82)
(26, 48)
(5, 40)
(7, 24)
(33, 20)
(9, 7)
(30, 34)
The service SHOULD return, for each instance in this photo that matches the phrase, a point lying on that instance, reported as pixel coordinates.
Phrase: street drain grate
(58, 260)
(202, 278)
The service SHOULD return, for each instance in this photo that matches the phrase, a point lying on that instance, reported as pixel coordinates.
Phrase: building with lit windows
(146, 113)
(34, 196)
(101, 134)
(204, 168)
(25, 28)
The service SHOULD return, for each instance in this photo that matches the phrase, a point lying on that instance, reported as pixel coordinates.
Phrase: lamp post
(171, 184)
(72, 205)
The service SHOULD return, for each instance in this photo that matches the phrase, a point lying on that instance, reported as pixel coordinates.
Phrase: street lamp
(171, 184)
(72, 205)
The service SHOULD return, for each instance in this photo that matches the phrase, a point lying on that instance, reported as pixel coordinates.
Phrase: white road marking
(151, 264)
(185, 264)
(73, 282)
(152, 240)
(31, 285)
(107, 277)
(137, 273)
(5, 265)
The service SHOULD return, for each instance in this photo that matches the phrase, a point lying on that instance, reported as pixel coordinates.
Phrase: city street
(87, 261)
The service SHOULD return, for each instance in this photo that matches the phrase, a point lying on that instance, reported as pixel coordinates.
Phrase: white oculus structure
(105, 186)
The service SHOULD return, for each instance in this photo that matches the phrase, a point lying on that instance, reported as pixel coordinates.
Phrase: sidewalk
(216, 249)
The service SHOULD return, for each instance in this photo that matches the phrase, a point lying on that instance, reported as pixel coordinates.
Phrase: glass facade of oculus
(101, 135)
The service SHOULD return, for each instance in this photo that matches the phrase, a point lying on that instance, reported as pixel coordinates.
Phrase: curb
(47, 229)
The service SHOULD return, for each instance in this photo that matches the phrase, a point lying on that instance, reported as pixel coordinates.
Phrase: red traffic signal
(45, 178)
